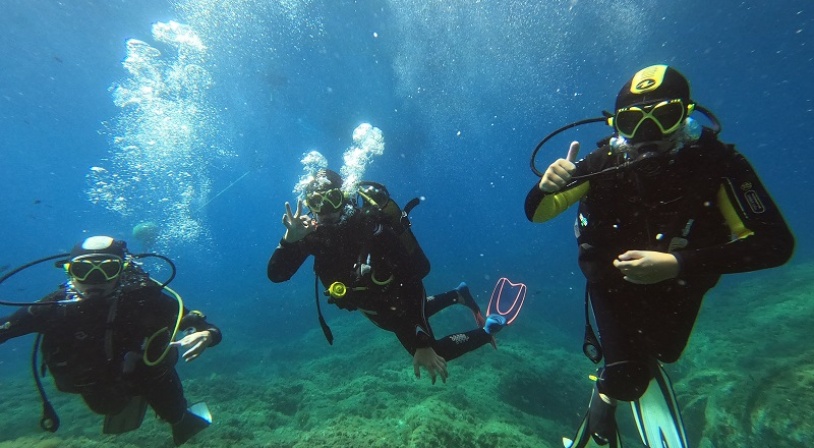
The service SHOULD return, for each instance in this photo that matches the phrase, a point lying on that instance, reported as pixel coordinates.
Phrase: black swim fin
(128, 419)
(583, 438)
(658, 416)
(196, 419)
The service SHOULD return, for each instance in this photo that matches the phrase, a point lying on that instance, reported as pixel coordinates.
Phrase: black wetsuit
(94, 347)
(706, 206)
(391, 295)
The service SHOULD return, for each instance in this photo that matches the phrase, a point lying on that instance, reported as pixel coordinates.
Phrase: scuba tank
(374, 199)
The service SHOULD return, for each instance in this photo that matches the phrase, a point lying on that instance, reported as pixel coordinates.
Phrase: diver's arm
(297, 224)
(540, 206)
(20, 323)
(761, 237)
(195, 321)
(27, 320)
(552, 195)
(415, 300)
(291, 252)
(286, 260)
(417, 336)
(200, 335)
(435, 364)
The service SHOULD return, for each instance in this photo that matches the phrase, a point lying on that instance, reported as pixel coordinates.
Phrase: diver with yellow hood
(665, 208)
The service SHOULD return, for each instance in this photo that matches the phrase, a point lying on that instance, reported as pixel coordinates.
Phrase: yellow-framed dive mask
(316, 200)
(667, 115)
(95, 270)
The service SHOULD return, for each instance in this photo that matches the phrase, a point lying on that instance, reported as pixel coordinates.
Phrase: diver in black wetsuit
(671, 210)
(361, 258)
(106, 335)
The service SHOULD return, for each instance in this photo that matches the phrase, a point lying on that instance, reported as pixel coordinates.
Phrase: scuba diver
(665, 208)
(107, 334)
(368, 259)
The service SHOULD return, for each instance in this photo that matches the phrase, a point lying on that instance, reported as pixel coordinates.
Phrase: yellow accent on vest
(733, 220)
(554, 204)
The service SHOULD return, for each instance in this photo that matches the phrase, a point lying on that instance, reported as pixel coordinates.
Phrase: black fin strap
(325, 328)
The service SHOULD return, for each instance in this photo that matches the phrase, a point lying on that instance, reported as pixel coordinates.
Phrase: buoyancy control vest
(374, 199)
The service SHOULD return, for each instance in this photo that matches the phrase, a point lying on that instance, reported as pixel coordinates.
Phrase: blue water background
(462, 91)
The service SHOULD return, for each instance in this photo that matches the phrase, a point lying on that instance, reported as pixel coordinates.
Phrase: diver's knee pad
(624, 380)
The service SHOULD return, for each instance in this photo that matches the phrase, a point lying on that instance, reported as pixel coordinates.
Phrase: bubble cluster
(368, 141)
(311, 163)
(163, 139)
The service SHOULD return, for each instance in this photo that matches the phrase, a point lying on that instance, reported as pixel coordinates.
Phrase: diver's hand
(428, 359)
(646, 267)
(559, 173)
(198, 341)
(297, 225)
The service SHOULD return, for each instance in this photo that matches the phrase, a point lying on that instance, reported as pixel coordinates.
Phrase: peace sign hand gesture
(297, 225)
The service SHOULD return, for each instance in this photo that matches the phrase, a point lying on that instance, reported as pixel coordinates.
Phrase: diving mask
(95, 270)
(316, 200)
(666, 116)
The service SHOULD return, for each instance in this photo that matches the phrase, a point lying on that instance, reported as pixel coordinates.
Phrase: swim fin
(583, 438)
(128, 419)
(658, 416)
(196, 419)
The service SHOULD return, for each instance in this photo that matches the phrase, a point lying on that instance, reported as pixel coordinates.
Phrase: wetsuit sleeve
(31, 319)
(20, 323)
(414, 330)
(195, 320)
(422, 333)
(540, 206)
(760, 236)
(286, 260)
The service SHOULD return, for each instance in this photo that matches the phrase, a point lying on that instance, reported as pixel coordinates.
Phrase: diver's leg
(438, 302)
(619, 315)
(455, 345)
(461, 296)
(105, 399)
(602, 418)
(165, 394)
(624, 376)
(667, 338)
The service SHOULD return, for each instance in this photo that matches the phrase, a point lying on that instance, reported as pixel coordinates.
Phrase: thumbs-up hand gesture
(559, 173)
